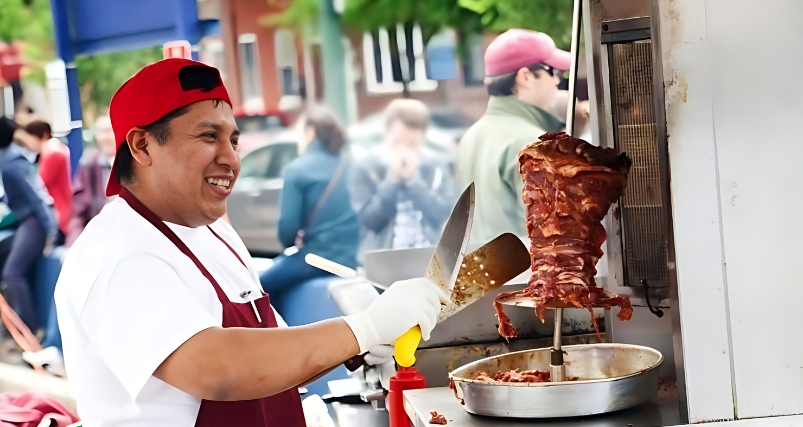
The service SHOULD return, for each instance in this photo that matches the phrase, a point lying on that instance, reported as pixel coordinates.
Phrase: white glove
(379, 354)
(405, 304)
(382, 356)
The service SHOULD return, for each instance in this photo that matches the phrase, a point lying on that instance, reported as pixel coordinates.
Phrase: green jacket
(488, 156)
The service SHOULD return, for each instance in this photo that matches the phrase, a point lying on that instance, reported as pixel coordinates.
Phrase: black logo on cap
(194, 77)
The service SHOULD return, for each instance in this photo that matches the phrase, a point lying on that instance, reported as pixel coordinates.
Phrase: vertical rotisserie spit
(569, 185)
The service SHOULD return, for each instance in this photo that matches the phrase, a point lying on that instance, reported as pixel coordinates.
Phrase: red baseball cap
(157, 90)
(516, 48)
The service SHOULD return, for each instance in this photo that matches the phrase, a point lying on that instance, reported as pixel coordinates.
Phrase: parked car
(255, 130)
(253, 206)
(266, 148)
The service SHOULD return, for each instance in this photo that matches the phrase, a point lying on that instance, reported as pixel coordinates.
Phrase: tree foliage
(29, 21)
(430, 15)
(99, 76)
(553, 17)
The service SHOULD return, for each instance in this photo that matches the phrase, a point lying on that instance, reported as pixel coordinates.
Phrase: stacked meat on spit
(569, 185)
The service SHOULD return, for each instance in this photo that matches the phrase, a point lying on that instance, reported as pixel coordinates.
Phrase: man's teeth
(220, 183)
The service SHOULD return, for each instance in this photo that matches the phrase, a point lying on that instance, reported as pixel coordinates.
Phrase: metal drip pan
(610, 377)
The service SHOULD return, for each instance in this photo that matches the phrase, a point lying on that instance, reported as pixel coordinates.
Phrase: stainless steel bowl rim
(548, 384)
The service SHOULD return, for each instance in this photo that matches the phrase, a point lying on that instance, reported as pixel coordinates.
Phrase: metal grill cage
(643, 239)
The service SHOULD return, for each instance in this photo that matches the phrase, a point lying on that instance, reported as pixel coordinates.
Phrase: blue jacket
(334, 233)
(25, 193)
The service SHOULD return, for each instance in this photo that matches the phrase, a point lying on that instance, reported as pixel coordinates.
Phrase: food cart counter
(661, 411)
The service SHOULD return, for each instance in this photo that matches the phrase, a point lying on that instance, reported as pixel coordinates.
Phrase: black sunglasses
(549, 69)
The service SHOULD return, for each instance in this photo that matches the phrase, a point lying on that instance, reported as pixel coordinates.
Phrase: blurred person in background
(89, 183)
(523, 73)
(316, 215)
(28, 200)
(54, 169)
(402, 196)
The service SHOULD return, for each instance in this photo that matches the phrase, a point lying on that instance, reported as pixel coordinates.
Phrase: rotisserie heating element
(643, 240)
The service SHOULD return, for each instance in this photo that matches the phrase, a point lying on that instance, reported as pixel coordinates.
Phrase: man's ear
(139, 142)
(523, 77)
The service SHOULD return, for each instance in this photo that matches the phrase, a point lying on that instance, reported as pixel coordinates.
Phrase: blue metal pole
(75, 139)
(187, 26)
(64, 46)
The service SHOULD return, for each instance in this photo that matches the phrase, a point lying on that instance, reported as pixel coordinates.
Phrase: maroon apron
(280, 410)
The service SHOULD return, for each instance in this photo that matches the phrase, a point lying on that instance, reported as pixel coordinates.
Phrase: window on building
(473, 60)
(441, 55)
(250, 74)
(284, 44)
(395, 57)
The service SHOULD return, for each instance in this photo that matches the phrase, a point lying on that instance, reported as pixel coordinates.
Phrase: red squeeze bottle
(405, 379)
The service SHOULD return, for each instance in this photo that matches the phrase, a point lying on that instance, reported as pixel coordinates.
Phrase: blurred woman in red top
(54, 169)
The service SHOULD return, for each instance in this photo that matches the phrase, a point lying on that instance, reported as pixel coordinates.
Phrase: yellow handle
(406, 346)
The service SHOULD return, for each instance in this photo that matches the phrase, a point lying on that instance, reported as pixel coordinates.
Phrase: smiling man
(162, 315)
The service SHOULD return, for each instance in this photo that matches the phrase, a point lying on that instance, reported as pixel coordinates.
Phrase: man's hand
(404, 163)
(405, 304)
(381, 356)
(49, 245)
(582, 117)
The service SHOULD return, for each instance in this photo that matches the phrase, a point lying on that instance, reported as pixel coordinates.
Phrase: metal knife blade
(448, 256)
(503, 258)
(487, 268)
(442, 269)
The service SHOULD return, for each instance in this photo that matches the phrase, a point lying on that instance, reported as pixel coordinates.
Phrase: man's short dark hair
(160, 130)
(503, 85)
(39, 129)
(7, 128)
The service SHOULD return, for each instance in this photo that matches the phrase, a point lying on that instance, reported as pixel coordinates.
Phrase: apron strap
(161, 226)
(230, 248)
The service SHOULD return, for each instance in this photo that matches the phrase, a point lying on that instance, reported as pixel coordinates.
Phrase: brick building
(268, 68)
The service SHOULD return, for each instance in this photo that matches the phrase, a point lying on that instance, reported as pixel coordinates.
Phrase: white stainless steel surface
(703, 190)
(610, 377)
(757, 184)
(661, 411)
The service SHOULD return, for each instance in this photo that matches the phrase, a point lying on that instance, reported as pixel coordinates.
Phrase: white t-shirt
(126, 299)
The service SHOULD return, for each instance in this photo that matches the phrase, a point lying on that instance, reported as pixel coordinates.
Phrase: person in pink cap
(522, 69)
